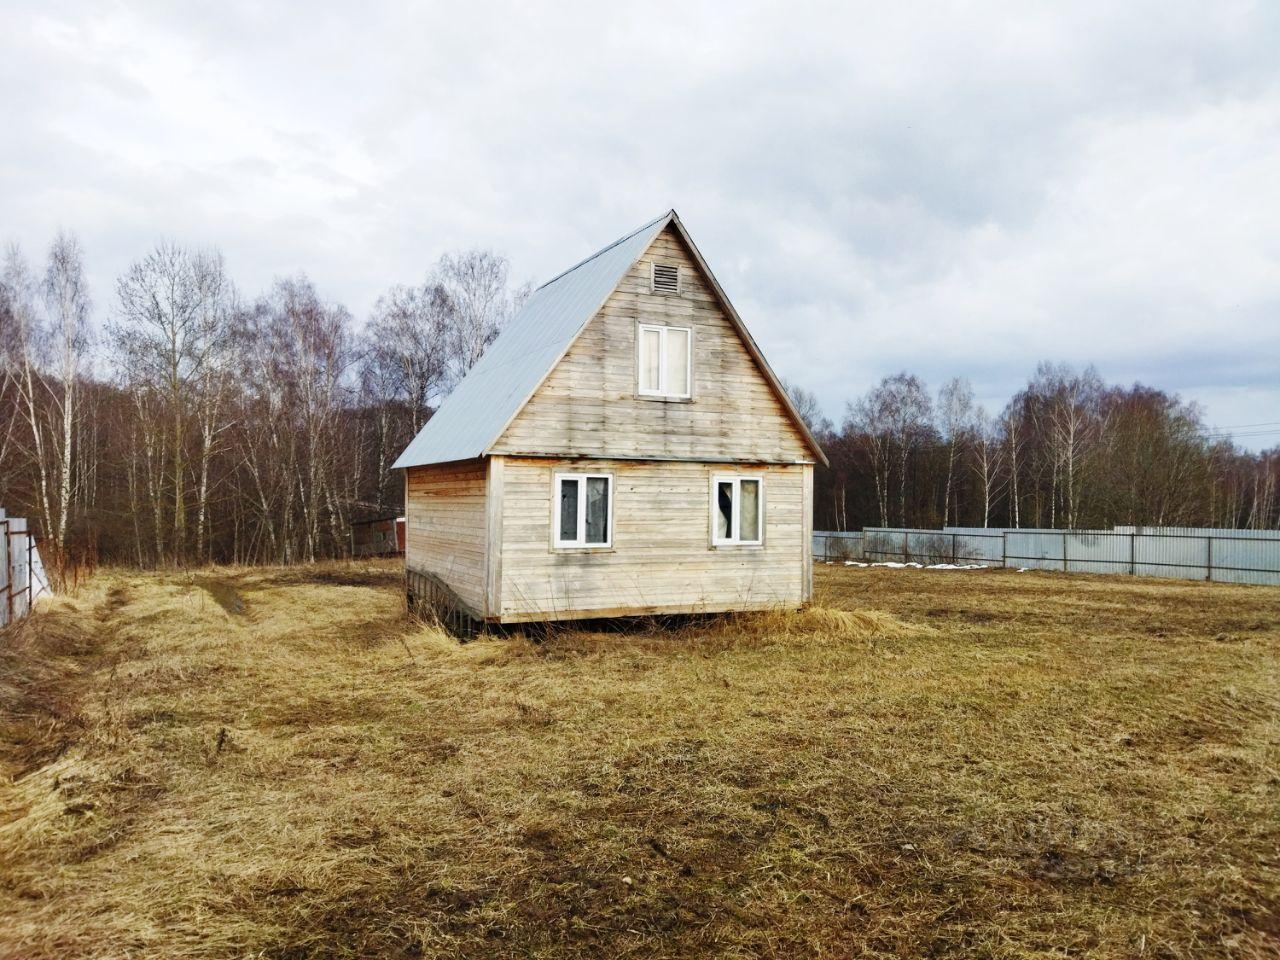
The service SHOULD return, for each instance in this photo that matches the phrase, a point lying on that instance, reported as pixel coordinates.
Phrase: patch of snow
(895, 565)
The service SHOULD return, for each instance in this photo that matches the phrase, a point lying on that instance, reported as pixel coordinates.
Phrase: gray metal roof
(473, 416)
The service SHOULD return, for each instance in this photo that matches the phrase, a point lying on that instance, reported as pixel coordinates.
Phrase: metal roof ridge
(605, 249)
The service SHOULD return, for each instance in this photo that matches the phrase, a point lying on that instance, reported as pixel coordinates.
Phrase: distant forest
(1067, 451)
(175, 420)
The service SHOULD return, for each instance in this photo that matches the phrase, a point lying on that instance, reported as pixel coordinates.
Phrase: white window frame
(736, 479)
(580, 543)
(661, 329)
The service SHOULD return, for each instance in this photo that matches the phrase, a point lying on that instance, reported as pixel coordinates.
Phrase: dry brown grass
(277, 763)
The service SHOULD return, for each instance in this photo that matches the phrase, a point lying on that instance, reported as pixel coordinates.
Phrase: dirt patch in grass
(925, 764)
(224, 594)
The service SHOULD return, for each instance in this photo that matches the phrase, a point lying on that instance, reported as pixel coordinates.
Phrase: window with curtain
(737, 510)
(583, 507)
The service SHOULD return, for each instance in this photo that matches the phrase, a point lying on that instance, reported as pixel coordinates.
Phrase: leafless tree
(173, 311)
(955, 423)
(475, 284)
(891, 421)
(66, 295)
(987, 456)
(868, 420)
(24, 342)
(806, 404)
(1010, 425)
(298, 382)
(44, 359)
(410, 342)
(909, 411)
(1073, 422)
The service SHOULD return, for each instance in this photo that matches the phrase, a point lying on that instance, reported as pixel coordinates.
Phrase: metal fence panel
(1170, 555)
(1232, 556)
(837, 545)
(1236, 534)
(980, 547)
(22, 575)
(1091, 551)
(1246, 560)
(1034, 551)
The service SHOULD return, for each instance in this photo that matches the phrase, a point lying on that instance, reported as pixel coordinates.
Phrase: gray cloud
(955, 191)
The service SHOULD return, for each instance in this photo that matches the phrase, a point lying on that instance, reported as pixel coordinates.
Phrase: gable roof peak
(474, 416)
(656, 222)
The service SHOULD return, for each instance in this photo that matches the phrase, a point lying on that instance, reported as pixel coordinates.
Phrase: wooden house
(621, 449)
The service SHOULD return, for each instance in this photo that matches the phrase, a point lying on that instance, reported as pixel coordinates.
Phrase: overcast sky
(951, 190)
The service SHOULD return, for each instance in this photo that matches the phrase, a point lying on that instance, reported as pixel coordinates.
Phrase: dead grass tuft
(822, 625)
(280, 763)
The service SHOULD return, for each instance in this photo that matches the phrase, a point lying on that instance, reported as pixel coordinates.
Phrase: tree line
(1067, 451)
(193, 423)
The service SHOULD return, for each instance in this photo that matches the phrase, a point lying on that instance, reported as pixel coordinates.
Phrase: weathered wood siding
(588, 406)
(445, 517)
(661, 559)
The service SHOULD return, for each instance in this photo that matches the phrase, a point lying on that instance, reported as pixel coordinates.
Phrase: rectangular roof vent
(666, 278)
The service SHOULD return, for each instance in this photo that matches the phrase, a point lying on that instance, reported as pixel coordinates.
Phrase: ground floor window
(737, 510)
(583, 509)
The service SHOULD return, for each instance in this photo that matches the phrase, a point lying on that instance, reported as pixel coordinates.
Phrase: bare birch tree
(66, 295)
(806, 404)
(409, 343)
(27, 345)
(868, 421)
(174, 308)
(955, 422)
(480, 303)
(987, 455)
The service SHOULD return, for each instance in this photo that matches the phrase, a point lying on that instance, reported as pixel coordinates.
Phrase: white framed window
(737, 510)
(582, 510)
(664, 358)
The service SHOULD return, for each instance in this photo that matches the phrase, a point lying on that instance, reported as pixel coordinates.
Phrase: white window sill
(662, 399)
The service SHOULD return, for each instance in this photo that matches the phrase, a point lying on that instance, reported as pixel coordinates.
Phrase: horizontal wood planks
(661, 559)
(588, 405)
(446, 526)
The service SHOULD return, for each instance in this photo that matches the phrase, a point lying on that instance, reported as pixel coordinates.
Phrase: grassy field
(277, 763)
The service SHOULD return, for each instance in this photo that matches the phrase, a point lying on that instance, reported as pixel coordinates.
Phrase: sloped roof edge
(476, 413)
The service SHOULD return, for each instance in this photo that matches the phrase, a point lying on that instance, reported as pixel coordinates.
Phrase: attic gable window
(665, 358)
(665, 278)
